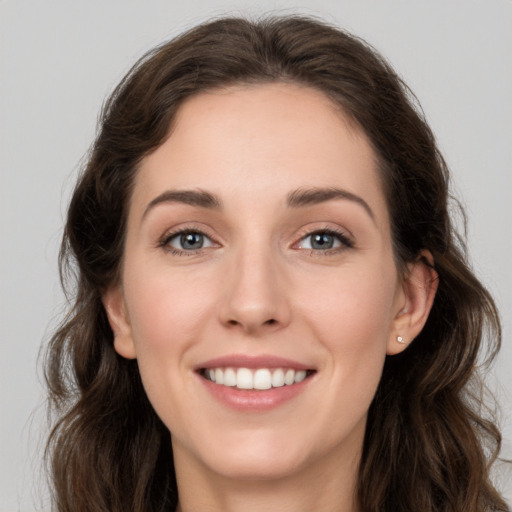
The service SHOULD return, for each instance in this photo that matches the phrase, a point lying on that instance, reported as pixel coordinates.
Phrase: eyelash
(345, 242)
(164, 243)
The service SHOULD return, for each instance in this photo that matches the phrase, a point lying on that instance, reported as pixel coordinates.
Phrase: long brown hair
(428, 444)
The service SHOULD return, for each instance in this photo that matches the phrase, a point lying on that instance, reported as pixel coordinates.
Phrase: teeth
(244, 378)
(278, 378)
(262, 378)
(289, 377)
(230, 378)
(300, 376)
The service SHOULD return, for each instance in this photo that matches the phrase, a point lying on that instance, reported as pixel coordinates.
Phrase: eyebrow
(199, 198)
(311, 196)
(295, 199)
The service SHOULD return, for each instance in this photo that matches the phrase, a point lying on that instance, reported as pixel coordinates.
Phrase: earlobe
(113, 301)
(418, 290)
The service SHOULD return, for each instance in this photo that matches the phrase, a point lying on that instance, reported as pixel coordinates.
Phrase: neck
(329, 486)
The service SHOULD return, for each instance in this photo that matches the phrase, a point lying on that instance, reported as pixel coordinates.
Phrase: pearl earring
(400, 339)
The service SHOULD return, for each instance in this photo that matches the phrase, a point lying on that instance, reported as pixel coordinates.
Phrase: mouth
(255, 378)
(255, 383)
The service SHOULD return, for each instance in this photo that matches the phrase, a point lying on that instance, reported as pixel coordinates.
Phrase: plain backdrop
(59, 60)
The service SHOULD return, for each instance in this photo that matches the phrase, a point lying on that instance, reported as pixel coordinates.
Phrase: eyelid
(177, 236)
(346, 240)
(343, 236)
(163, 241)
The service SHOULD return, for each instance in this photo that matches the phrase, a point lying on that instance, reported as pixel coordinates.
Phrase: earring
(400, 340)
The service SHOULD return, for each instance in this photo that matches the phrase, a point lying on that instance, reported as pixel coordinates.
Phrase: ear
(113, 301)
(415, 301)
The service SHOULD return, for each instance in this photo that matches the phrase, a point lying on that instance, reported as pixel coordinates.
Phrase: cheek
(352, 317)
(353, 301)
(166, 308)
(167, 316)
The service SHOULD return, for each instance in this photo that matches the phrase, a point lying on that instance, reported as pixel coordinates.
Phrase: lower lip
(254, 400)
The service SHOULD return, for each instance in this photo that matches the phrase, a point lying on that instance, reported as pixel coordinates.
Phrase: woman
(272, 307)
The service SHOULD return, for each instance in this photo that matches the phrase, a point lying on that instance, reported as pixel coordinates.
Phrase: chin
(257, 467)
(251, 457)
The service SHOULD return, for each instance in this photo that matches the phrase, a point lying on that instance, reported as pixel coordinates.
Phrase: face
(259, 292)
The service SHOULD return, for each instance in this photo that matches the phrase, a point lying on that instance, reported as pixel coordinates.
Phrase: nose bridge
(255, 297)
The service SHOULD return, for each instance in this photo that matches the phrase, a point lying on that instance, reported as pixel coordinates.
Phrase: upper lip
(252, 362)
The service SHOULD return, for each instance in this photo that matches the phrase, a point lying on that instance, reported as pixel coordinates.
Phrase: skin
(257, 287)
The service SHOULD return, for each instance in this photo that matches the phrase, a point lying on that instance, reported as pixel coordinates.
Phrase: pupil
(322, 241)
(192, 241)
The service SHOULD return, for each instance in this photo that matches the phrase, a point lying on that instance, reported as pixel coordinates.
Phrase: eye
(185, 241)
(324, 240)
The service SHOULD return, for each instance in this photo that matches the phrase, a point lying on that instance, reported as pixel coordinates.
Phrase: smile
(259, 378)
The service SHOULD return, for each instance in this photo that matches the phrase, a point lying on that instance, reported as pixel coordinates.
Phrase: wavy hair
(429, 441)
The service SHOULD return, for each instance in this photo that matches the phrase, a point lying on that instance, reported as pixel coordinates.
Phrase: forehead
(261, 141)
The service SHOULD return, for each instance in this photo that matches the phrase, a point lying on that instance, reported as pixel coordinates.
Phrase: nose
(256, 294)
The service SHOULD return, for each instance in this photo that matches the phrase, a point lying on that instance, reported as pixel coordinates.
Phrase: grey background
(58, 61)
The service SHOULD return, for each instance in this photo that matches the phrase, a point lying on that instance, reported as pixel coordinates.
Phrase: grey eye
(190, 241)
(321, 240)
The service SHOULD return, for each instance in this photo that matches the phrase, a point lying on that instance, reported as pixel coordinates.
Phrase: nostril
(251, 324)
